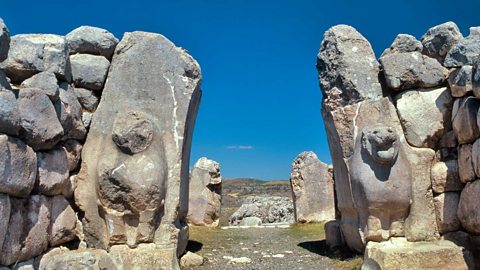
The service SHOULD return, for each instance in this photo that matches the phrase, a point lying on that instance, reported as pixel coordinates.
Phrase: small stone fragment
(445, 177)
(73, 150)
(92, 40)
(63, 221)
(89, 71)
(69, 113)
(87, 99)
(404, 43)
(191, 259)
(438, 40)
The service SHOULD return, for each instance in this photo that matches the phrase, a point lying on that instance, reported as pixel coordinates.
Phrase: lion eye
(375, 132)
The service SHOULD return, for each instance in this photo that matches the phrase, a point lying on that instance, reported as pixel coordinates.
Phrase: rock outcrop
(312, 189)
(402, 153)
(205, 193)
(268, 209)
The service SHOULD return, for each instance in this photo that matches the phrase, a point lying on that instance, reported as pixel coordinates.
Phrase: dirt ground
(297, 247)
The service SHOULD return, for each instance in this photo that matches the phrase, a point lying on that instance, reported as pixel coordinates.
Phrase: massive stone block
(205, 194)
(91, 40)
(133, 182)
(312, 188)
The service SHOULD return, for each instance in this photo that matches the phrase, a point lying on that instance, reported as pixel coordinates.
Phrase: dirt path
(297, 247)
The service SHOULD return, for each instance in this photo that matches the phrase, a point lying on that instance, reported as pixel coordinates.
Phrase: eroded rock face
(89, 71)
(137, 150)
(446, 205)
(438, 40)
(464, 119)
(312, 188)
(269, 209)
(52, 172)
(205, 196)
(466, 51)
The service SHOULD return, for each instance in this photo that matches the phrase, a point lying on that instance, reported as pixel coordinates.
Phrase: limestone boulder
(135, 160)
(52, 172)
(445, 177)
(469, 208)
(465, 52)
(269, 209)
(91, 40)
(251, 221)
(40, 127)
(460, 81)
(4, 41)
(312, 189)
(61, 258)
(18, 167)
(400, 254)
(27, 234)
(87, 99)
(438, 40)
(412, 70)
(45, 81)
(9, 113)
(404, 43)
(205, 196)
(347, 68)
(89, 71)
(191, 260)
(69, 113)
(466, 171)
(63, 221)
(446, 205)
(425, 114)
(464, 119)
(30, 54)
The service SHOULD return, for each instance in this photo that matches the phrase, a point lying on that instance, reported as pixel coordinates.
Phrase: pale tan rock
(446, 205)
(466, 171)
(469, 208)
(445, 177)
(191, 259)
(62, 258)
(397, 253)
(312, 188)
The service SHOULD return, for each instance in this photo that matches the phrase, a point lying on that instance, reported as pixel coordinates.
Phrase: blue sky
(261, 100)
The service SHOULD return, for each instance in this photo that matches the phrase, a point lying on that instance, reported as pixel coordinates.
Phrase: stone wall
(96, 137)
(402, 133)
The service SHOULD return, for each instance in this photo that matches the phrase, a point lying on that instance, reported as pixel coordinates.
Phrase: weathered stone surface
(45, 81)
(191, 260)
(270, 209)
(469, 208)
(147, 186)
(73, 151)
(347, 68)
(89, 71)
(446, 205)
(205, 196)
(5, 209)
(4, 41)
(40, 127)
(25, 265)
(460, 81)
(63, 221)
(52, 172)
(9, 114)
(400, 254)
(445, 177)
(69, 113)
(61, 258)
(18, 167)
(87, 119)
(92, 40)
(476, 80)
(438, 40)
(87, 99)
(333, 234)
(448, 140)
(476, 157)
(412, 70)
(133, 132)
(465, 52)
(30, 54)
(70, 187)
(312, 189)
(464, 119)
(425, 114)
(404, 43)
(466, 171)
(27, 234)
(251, 221)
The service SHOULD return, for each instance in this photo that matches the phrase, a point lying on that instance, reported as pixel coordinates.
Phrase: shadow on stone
(194, 246)
(320, 247)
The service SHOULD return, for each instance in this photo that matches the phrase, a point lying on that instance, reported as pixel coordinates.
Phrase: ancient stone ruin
(402, 133)
(205, 193)
(125, 111)
(312, 189)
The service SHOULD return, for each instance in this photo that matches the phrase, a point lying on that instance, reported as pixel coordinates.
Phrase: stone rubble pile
(258, 210)
(205, 193)
(312, 189)
(404, 136)
(94, 170)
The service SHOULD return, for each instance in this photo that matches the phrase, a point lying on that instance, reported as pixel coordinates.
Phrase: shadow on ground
(194, 246)
(320, 247)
